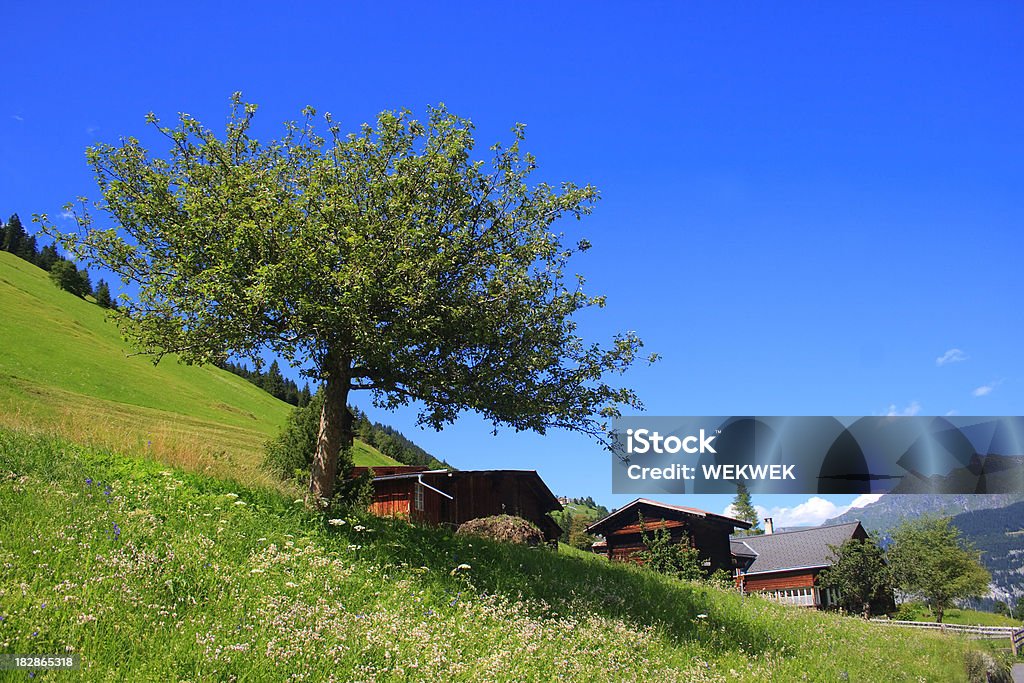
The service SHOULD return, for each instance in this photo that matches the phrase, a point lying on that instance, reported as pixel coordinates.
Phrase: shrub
(983, 667)
(290, 456)
(505, 528)
(913, 611)
(666, 556)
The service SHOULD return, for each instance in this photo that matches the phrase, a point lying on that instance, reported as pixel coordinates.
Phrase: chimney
(769, 527)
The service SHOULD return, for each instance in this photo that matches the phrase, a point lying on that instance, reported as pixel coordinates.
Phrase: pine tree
(66, 276)
(27, 251)
(744, 509)
(274, 383)
(102, 295)
(47, 257)
(14, 235)
(84, 283)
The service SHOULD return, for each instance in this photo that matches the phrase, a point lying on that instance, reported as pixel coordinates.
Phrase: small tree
(666, 556)
(290, 454)
(67, 277)
(743, 508)
(84, 283)
(929, 558)
(47, 257)
(860, 574)
(14, 236)
(577, 532)
(388, 260)
(102, 295)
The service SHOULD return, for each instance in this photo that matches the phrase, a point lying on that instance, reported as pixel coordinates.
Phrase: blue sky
(804, 206)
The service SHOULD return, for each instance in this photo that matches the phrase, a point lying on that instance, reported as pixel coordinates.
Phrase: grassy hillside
(65, 369)
(151, 573)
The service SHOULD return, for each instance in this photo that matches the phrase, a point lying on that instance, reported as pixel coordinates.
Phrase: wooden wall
(476, 494)
(800, 578)
(710, 539)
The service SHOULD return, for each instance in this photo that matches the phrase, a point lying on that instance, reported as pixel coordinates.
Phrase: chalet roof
(627, 515)
(798, 549)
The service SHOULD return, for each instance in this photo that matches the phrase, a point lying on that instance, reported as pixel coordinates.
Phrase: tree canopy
(861, 575)
(387, 260)
(928, 558)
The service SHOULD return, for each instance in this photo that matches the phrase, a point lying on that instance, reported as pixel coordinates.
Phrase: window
(418, 496)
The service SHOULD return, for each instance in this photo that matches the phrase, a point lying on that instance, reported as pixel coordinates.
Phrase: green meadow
(64, 369)
(138, 531)
(152, 573)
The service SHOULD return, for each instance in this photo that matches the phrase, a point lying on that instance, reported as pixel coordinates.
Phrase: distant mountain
(891, 509)
(999, 534)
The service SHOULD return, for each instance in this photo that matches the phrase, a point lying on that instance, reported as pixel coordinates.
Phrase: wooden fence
(1016, 635)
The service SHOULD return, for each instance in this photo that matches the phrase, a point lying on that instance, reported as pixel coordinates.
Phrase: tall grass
(153, 573)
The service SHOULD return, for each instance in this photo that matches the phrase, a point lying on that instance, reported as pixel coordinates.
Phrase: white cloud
(17, 118)
(913, 408)
(811, 512)
(985, 389)
(951, 356)
(950, 413)
(67, 215)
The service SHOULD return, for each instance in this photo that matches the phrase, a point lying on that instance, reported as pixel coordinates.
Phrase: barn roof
(627, 515)
(798, 549)
(531, 477)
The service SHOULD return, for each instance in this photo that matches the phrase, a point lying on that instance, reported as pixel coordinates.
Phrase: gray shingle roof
(792, 549)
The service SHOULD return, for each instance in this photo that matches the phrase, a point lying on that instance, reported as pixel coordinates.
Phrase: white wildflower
(338, 522)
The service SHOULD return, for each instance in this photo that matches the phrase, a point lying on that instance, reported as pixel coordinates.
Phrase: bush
(666, 556)
(913, 611)
(290, 457)
(290, 454)
(505, 528)
(983, 667)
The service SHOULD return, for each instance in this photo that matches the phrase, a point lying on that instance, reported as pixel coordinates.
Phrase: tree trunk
(335, 430)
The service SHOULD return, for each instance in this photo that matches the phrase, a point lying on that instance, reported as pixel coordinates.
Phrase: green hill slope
(64, 368)
(152, 574)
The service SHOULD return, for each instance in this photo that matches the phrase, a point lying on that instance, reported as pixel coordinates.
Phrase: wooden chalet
(784, 566)
(706, 531)
(444, 497)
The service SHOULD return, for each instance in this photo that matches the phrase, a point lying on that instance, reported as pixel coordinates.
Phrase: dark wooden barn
(444, 497)
(706, 531)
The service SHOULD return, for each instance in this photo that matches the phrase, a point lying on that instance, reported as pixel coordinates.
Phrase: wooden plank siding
(474, 494)
(779, 580)
(705, 531)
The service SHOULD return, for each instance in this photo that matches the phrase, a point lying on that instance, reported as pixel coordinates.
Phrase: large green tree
(387, 260)
(861, 575)
(929, 558)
